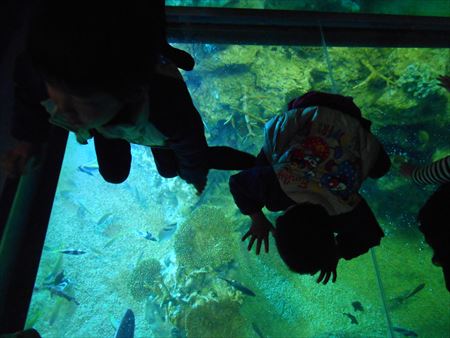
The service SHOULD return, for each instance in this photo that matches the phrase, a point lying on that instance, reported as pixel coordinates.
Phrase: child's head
(85, 47)
(433, 218)
(304, 238)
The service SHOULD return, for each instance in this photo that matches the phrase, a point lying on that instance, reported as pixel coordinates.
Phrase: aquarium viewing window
(176, 259)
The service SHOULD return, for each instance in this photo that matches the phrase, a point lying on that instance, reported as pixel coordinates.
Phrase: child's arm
(249, 189)
(174, 114)
(30, 119)
(30, 126)
(437, 172)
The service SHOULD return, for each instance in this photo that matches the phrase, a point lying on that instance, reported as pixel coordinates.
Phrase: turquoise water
(398, 7)
(173, 285)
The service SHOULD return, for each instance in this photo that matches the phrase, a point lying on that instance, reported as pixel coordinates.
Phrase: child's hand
(259, 232)
(444, 81)
(328, 270)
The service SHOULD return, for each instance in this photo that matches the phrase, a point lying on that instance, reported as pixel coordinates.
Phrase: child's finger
(246, 235)
(327, 277)
(250, 244)
(322, 274)
(258, 246)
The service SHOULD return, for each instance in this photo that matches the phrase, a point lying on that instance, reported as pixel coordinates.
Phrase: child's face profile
(84, 112)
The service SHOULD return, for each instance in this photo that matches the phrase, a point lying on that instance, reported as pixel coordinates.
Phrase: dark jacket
(172, 112)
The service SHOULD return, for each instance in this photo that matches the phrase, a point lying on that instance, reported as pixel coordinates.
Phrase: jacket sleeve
(30, 119)
(248, 189)
(174, 114)
(435, 173)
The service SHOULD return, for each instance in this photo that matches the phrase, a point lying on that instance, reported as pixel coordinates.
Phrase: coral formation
(145, 279)
(216, 319)
(205, 239)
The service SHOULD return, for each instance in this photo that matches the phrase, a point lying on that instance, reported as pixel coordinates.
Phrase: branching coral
(206, 239)
(419, 81)
(145, 279)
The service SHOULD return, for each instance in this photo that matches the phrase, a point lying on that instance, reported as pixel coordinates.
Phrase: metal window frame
(283, 27)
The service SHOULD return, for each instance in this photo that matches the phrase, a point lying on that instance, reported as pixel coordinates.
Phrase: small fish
(74, 252)
(403, 298)
(416, 290)
(147, 235)
(405, 332)
(357, 306)
(59, 291)
(89, 169)
(126, 326)
(110, 242)
(167, 232)
(238, 286)
(257, 330)
(105, 219)
(352, 318)
(55, 280)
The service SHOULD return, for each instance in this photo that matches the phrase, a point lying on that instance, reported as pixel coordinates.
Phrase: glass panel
(398, 7)
(175, 286)
(398, 91)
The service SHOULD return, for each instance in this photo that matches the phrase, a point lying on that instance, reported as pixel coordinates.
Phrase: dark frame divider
(284, 27)
(24, 233)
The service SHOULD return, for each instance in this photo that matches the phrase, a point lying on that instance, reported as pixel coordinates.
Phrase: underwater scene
(151, 257)
(396, 7)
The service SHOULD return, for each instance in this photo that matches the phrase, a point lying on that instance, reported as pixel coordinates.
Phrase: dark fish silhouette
(257, 330)
(74, 252)
(405, 332)
(238, 286)
(147, 235)
(127, 325)
(89, 169)
(352, 318)
(416, 290)
(403, 298)
(357, 306)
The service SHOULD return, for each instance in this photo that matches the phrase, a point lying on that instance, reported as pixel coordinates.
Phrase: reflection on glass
(152, 246)
(404, 7)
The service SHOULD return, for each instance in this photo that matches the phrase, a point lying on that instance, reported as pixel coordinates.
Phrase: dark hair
(304, 238)
(87, 46)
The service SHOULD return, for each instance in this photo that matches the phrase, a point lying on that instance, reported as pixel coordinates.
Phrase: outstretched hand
(259, 232)
(328, 271)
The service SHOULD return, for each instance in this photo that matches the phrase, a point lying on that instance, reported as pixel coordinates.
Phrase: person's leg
(166, 162)
(113, 157)
(226, 158)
